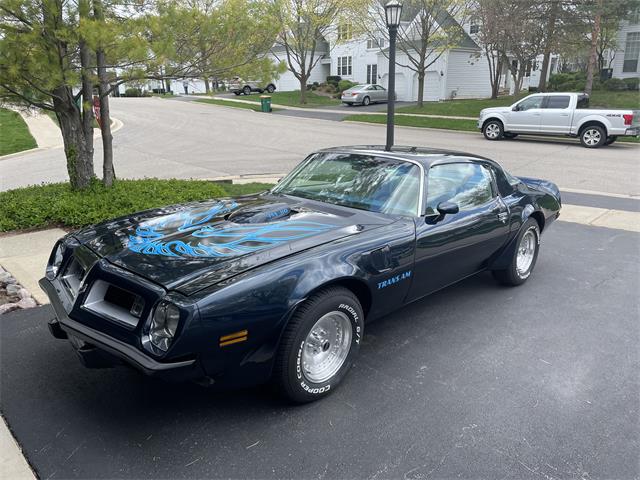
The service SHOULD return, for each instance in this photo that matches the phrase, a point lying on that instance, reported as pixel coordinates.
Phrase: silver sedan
(364, 94)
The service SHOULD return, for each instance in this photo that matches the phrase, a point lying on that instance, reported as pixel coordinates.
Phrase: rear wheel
(319, 345)
(271, 88)
(610, 140)
(524, 256)
(366, 101)
(493, 130)
(593, 136)
(246, 90)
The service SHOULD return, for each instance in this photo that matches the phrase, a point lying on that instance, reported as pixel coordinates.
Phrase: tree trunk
(420, 89)
(207, 87)
(108, 172)
(303, 89)
(595, 33)
(167, 85)
(495, 86)
(550, 30)
(78, 152)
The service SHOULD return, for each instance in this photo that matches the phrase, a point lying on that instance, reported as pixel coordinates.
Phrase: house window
(375, 43)
(344, 66)
(345, 32)
(372, 73)
(631, 52)
(474, 27)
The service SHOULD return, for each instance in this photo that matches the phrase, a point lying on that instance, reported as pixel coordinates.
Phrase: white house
(288, 81)
(626, 63)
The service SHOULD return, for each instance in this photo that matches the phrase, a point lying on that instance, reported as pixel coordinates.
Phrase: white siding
(618, 61)
(361, 57)
(288, 82)
(467, 74)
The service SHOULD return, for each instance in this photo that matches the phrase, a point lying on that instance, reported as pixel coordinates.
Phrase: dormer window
(345, 31)
(474, 27)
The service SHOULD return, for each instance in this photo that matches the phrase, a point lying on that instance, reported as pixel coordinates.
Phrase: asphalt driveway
(477, 381)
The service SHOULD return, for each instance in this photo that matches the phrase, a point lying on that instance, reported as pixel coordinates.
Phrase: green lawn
(292, 99)
(56, 204)
(471, 108)
(14, 134)
(444, 123)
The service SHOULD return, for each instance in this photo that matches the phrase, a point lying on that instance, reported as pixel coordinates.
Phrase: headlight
(54, 262)
(164, 325)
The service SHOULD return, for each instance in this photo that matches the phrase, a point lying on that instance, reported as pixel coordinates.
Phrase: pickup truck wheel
(271, 88)
(246, 90)
(593, 136)
(493, 130)
(319, 344)
(611, 139)
(524, 256)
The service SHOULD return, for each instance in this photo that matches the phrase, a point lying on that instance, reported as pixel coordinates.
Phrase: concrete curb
(13, 463)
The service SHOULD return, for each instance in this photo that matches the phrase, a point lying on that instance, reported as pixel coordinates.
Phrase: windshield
(359, 181)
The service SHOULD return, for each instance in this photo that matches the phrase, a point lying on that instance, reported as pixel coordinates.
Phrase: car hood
(189, 247)
(489, 110)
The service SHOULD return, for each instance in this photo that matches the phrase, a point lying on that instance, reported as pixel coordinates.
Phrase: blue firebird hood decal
(215, 239)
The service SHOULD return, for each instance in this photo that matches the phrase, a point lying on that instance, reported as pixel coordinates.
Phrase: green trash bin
(265, 102)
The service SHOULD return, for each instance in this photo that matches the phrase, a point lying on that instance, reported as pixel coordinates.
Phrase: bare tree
(491, 15)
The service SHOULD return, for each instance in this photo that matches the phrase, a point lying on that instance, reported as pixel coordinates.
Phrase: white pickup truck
(565, 114)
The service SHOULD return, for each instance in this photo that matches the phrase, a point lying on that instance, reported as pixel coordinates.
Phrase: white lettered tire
(319, 345)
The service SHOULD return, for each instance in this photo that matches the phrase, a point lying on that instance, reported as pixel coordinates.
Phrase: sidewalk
(13, 465)
(42, 128)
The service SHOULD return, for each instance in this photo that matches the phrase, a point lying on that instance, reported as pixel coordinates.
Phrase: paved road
(166, 138)
(478, 381)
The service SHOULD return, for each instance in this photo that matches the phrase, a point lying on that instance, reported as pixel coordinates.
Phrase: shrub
(333, 79)
(316, 84)
(345, 85)
(134, 92)
(56, 204)
(632, 83)
(614, 84)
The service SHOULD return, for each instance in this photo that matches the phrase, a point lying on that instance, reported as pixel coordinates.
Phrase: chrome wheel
(591, 137)
(326, 347)
(526, 252)
(492, 131)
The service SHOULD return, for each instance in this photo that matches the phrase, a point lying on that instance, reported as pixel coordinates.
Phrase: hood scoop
(261, 213)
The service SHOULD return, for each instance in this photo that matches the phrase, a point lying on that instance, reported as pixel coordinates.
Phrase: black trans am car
(278, 286)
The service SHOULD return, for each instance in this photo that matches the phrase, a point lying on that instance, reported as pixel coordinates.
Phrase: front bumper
(97, 349)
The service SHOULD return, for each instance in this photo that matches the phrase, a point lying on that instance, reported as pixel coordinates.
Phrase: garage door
(431, 86)
(401, 86)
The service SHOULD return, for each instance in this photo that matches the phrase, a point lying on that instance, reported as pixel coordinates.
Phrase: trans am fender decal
(221, 239)
(394, 280)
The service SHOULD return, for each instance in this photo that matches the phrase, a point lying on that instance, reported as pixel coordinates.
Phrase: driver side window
(529, 103)
(468, 185)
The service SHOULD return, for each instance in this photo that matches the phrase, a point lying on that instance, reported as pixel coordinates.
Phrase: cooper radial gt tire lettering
(524, 256)
(319, 344)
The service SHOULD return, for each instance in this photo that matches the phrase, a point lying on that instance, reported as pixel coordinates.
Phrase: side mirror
(448, 208)
(515, 109)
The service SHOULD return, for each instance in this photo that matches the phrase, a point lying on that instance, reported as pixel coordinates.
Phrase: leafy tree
(303, 29)
(493, 38)
(429, 31)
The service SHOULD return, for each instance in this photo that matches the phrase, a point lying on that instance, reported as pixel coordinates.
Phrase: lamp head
(392, 11)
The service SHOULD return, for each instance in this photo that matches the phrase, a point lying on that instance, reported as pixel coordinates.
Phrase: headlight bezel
(163, 327)
(55, 261)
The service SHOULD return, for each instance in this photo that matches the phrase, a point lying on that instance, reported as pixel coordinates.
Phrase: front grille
(114, 303)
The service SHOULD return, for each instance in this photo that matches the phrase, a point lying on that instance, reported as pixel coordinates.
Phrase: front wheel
(271, 88)
(493, 130)
(366, 101)
(246, 90)
(593, 136)
(319, 345)
(524, 256)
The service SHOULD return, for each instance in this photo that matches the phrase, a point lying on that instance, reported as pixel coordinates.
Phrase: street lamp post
(392, 11)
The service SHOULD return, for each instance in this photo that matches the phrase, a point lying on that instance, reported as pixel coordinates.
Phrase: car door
(382, 92)
(556, 114)
(526, 115)
(454, 246)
